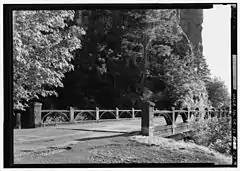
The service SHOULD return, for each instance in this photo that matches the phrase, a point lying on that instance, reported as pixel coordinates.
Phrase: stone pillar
(173, 120)
(18, 121)
(97, 113)
(188, 118)
(117, 113)
(197, 114)
(37, 114)
(219, 113)
(71, 114)
(188, 113)
(147, 119)
(133, 113)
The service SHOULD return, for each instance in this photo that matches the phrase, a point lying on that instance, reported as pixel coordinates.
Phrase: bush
(214, 133)
(218, 93)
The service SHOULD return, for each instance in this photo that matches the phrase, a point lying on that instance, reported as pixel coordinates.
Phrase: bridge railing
(177, 120)
(52, 117)
(149, 115)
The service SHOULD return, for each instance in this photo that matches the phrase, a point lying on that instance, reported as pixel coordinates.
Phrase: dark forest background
(112, 58)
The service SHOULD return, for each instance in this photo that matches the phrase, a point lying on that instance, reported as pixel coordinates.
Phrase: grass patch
(141, 149)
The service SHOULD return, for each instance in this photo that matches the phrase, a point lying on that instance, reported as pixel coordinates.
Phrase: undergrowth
(214, 133)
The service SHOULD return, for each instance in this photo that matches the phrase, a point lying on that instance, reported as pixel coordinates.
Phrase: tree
(131, 55)
(170, 62)
(201, 65)
(43, 43)
(183, 87)
(95, 64)
(148, 36)
(218, 93)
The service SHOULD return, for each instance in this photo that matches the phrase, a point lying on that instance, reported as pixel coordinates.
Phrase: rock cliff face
(191, 22)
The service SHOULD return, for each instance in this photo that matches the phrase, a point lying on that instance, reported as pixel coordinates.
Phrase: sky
(216, 41)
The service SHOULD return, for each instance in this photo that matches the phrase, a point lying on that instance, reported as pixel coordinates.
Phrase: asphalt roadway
(37, 139)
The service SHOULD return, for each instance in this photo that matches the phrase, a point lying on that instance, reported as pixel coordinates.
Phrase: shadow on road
(110, 136)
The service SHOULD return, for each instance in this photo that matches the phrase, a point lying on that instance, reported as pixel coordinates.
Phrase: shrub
(218, 93)
(214, 133)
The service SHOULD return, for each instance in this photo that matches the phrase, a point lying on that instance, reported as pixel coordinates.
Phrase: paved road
(28, 140)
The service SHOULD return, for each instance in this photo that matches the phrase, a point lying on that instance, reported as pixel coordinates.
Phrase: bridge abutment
(147, 126)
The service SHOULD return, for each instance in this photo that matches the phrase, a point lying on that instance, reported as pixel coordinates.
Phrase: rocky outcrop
(191, 22)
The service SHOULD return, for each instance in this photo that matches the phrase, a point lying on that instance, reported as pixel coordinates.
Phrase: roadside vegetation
(214, 133)
(141, 149)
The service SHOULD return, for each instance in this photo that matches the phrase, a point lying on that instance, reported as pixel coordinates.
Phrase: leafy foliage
(184, 88)
(214, 133)
(149, 46)
(42, 50)
(126, 56)
(200, 64)
(129, 56)
(171, 61)
(218, 93)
